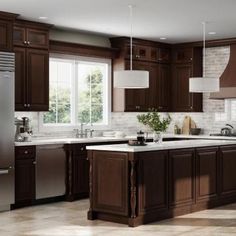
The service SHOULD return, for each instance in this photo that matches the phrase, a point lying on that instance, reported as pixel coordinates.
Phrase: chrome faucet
(83, 133)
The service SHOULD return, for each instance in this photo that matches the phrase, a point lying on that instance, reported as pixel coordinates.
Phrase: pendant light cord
(131, 36)
(204, 47)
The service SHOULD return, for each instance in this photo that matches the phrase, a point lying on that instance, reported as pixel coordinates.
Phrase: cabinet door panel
(152, 183)
(38, 79)
(207, 173)
(19, 36)
(24, 180)
(81, 175)
(20, 79)
(37, 38)
(183, 55)
(228, 173)
(5, 35)
(163, 88)
(182, 99)
(110, 185)
(182, 177)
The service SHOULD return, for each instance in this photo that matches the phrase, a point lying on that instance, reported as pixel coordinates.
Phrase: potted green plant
(155, 123)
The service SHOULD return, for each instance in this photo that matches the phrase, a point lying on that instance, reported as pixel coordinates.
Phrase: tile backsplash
(216, 61)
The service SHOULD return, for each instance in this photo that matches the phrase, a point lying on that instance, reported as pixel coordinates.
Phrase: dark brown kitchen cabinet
(183, 55)
(227, 171)
(162, 90)
(31, 34)
(154, 194)
(32, 79)
(6, 32)
(161, 55)
(207, 173)
(77, 170)
(182, 177)
(24, 175)
(182, 99)
(32, 66)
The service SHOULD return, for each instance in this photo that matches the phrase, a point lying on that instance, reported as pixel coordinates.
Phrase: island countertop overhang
(170, 145)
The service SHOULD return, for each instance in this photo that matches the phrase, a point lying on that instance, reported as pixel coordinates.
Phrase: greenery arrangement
(153, 120)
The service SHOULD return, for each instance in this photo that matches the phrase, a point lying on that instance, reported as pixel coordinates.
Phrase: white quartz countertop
(163, 146)
(48, 141)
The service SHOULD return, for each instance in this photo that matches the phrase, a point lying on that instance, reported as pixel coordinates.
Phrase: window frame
(69, 127)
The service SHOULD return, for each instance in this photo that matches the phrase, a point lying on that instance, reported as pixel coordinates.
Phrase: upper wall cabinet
(6, 33)
(31, 47)
(149, 56)
(187, 62)
(30, 37)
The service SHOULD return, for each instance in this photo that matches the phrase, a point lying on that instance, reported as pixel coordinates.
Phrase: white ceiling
(177, 20)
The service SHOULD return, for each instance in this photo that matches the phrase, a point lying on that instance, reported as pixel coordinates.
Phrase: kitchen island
(138, 185)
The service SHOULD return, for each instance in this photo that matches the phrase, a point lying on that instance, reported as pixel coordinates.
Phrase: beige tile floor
(69, 219)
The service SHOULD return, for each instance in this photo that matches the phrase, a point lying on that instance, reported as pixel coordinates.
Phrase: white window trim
(70, 127)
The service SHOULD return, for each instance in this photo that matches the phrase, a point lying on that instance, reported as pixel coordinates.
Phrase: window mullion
(76, 78)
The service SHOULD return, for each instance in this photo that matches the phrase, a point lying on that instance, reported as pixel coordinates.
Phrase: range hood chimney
(228, 78)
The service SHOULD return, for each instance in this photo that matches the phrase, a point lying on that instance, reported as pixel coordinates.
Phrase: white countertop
(48, 141)
(163, 146)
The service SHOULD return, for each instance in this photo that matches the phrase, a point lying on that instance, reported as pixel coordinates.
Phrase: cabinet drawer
(25, 152)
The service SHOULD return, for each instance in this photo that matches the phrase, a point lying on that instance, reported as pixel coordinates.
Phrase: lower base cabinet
(160, 184)
(24, 175)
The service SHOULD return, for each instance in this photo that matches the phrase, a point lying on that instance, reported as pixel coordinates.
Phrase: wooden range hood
(228, 78)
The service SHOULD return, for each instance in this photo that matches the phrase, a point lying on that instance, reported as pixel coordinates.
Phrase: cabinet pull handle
(26, 152)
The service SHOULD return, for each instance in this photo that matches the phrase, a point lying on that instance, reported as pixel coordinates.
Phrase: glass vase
(157, 137)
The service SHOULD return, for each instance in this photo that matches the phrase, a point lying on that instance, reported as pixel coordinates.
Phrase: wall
(216, 60)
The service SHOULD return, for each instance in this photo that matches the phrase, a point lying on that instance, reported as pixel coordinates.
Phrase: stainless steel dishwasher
(50, 171)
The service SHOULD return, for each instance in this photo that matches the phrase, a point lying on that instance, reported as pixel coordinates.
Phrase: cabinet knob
(82, 149)
(28, 43)
(28, 105)
(25, 105)
(25, 42)
(137, 56)
(26, 152)
(191, 58)
(34, 162)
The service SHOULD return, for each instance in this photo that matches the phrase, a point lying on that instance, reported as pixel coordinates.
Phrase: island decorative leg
(69, 187)
(133, 199)
(91, 214)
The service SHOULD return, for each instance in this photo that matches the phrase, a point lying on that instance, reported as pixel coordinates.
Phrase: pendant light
(131, 79)
(204, 84)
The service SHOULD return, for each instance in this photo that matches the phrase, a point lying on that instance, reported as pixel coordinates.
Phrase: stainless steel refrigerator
(7, 176)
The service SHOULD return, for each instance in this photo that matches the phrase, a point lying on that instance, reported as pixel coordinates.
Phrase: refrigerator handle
(4, 171)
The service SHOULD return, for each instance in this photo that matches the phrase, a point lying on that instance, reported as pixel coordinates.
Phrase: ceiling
(176, 20)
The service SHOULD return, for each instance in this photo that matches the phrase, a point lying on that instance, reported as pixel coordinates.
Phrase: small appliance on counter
(140, 140)
(23, 130)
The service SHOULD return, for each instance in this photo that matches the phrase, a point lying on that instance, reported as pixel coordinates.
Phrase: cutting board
(188, 123)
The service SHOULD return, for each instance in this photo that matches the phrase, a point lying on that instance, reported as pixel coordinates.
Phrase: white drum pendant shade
(131, 79)
(204, 85)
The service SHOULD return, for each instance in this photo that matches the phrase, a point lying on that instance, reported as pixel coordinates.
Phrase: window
(79, 92)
